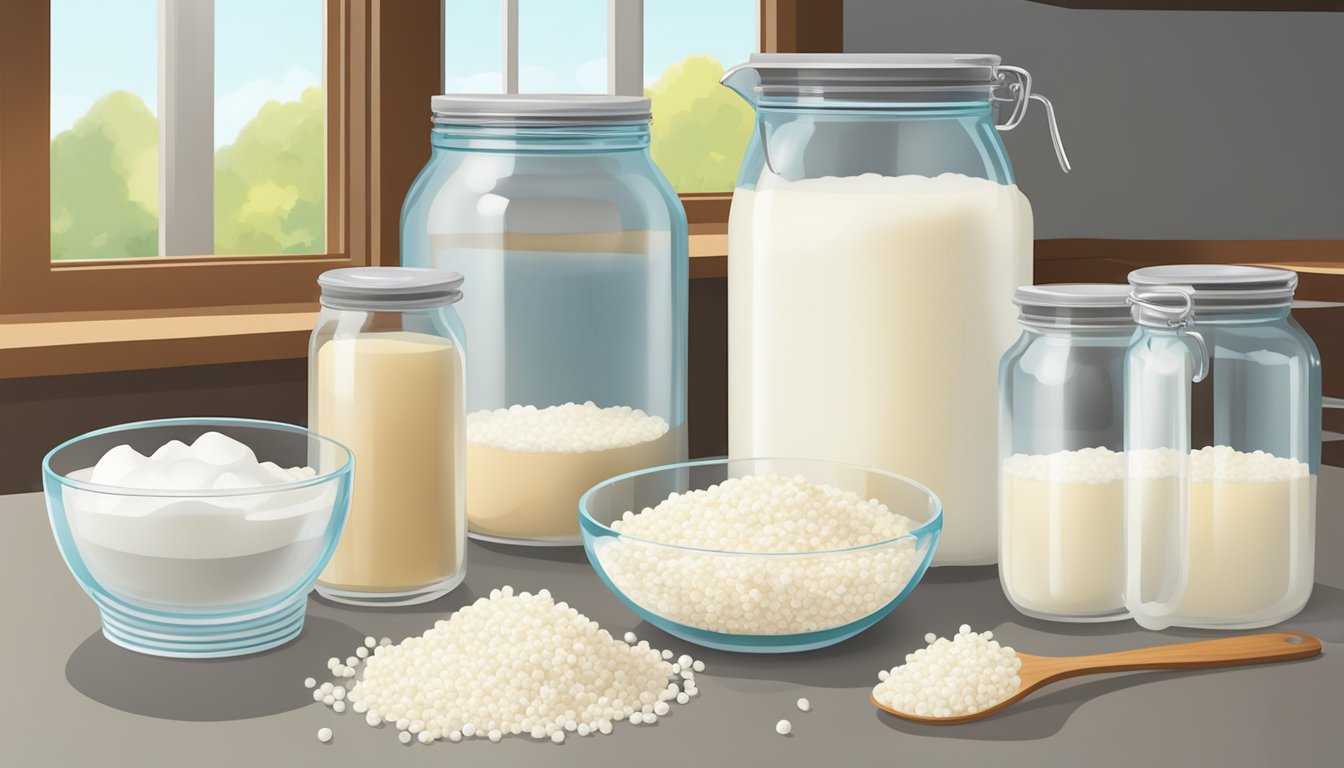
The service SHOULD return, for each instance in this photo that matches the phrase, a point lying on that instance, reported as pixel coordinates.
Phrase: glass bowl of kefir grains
(763, 555)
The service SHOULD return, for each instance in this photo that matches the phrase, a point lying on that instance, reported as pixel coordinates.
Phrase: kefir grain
(951, 678)
(696, 582)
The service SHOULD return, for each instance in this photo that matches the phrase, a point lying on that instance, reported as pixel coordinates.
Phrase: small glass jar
(385, 377)
(1223, 441)
(1061, 453)
(576, 249)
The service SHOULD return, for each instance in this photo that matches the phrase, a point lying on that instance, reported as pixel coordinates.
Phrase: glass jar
(1061, 450)
(1223, 441)
(385, 377)
(576, 249)
(875, 233)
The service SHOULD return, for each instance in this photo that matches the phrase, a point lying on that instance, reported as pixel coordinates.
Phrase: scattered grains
(805, 705)
(762, 595)
(962, 676)
(783, 727)
(309, 682)
(556, 672)
(324, 735)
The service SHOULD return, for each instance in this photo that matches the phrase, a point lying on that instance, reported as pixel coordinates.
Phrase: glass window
(473, 46)
(562, 46)
(104, 129)
(266, 114)
(700, 128)
(270, 127)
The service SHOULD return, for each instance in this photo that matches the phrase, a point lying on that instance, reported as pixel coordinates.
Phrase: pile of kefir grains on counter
(950, 678)
(510, 664)
(694, 583)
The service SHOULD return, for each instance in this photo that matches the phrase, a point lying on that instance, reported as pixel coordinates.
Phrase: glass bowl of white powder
(198, 537)
(761, 555)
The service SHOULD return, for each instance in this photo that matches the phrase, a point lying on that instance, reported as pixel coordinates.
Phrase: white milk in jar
(867, 315)
(875, 240)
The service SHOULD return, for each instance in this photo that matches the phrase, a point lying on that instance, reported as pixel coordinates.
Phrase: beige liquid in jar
(867, 315)
(1248, 559)
(1062, 553)
(527, 467)
(393, 399)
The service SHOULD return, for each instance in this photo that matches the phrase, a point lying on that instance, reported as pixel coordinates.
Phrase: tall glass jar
(576, 249)
(875, 236)
(1223, 442)
(1061, 449)
(385, 377)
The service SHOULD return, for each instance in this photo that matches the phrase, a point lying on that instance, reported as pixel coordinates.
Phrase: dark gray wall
(1180, 125)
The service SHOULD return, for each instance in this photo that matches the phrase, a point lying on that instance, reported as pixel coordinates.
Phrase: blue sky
(272, 49)
(264, 50)
(562, 44)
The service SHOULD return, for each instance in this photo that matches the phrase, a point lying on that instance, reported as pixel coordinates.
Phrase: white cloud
(588, 77)
(479, 82)
(591, 75)
(234, 109)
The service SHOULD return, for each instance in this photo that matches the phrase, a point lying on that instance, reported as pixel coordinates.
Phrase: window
(380, 61)
(230, 141)
(239, 86)
(674, 51)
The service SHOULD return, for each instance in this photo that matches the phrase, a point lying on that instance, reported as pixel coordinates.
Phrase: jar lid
(779, 73)
(538, 109)
(1208, 288)
(1074, 305)
(388, 288)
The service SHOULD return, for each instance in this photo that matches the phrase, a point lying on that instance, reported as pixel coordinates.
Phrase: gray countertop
(74, 699)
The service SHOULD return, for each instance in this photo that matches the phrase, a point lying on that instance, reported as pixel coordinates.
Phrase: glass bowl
(758, 602)
(199, 573)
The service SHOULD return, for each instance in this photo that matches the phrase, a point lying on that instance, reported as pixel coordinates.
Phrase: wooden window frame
(376, 143)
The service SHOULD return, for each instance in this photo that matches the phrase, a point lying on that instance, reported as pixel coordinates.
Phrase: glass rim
(223, 421)
(934, 523)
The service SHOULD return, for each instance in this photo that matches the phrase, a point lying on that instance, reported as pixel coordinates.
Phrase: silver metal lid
(1162, 296)
(1074, 305)
(538, 109)
(388, 288)
(848, 70)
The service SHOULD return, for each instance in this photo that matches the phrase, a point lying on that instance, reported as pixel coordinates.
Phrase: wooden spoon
(1040, 671)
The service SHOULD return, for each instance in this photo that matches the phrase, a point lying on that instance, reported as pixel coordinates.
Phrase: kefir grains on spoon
(962, 676)
(514, 664)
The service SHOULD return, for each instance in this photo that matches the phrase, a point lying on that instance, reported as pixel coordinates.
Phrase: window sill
(98, 342)
(52, 345)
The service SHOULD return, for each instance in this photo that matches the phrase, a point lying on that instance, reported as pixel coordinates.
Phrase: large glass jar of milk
(385, 377)
(1062, 442)
(575, 246)
(875, 239)
(1223, 447)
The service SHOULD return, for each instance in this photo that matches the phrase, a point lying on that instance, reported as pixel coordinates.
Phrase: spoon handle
(1238, 651)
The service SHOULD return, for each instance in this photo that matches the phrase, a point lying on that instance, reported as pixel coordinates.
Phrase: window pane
(562, 46)
(700, 128)
(473, 46)
(270, 127)
(104, 132)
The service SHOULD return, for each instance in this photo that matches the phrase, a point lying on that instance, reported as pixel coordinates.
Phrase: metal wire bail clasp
(1155, 304)
(1018, 83)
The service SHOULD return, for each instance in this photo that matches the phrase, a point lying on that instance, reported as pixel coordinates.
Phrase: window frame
(370, 100)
